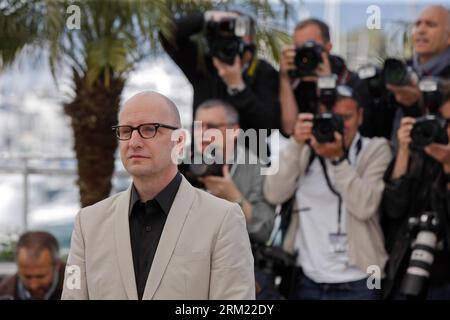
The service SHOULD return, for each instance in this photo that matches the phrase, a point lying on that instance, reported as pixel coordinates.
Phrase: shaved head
(441, 12)
(150, 158)
(431, 32)
(155, 100)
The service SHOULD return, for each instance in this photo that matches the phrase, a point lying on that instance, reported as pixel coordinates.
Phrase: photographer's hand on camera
(288, 104)
(329, 150)
(287, 62)
(324, 68)
(441, 153)
(230, 74)
(225, 188)
(303, 128)
(222, 187)
(404, 133)
(407, 95)
(404, 140)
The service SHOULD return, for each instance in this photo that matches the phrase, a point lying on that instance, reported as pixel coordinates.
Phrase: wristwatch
(339, 160)
(234, 90)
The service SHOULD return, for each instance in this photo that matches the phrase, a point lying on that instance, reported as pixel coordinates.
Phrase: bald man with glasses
(144, 243)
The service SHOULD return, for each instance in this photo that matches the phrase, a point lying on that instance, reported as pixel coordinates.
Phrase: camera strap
(250, 71)
(333, 190)
(358, 147)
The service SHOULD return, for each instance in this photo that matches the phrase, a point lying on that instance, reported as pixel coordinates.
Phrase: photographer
(338, 187)
(418, 181)
(298, 89)
(431, 40)
(234, 177)
(238, 179)
(243, 80)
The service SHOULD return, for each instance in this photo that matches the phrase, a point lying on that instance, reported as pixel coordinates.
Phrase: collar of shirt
(164, 198)
(353, 152)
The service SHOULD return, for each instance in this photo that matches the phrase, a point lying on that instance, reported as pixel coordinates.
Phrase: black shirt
(146, 225)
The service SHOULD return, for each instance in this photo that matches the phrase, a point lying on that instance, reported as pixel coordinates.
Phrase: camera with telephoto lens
(327, 123)
(307, 58)
(225, 38)
(425, 227)
(393, 72)
(396, 72)
(431, 128)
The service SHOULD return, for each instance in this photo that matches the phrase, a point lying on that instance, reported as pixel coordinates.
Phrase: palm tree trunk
(93, 111)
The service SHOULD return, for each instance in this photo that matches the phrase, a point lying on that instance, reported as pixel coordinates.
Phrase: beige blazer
(204, 251)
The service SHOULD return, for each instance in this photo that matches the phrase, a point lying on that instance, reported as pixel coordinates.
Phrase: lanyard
(331, 187)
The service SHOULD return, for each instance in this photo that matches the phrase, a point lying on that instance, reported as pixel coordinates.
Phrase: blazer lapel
(169, 237)
(123, 244)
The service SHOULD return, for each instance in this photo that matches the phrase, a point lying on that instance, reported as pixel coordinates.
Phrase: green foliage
(114, 35)
(8, 249)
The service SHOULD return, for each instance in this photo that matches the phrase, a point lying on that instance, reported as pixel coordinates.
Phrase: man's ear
(182, 138)
(328, 46)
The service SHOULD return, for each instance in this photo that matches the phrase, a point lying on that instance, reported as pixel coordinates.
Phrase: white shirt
(318, 216)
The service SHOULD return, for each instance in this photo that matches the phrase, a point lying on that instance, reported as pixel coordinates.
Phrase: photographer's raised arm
(404, 140)
(258, 104)
(288, 104)
(178, 44)
(293, 160)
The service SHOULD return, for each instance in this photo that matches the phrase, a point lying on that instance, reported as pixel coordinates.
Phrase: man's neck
(149, 187)
(423, 58)
(355, 137)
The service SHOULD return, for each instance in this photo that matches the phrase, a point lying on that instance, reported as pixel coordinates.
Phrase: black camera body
(425, 227)
(325, 125)
(272, 260)
(203, 170)
(307, 57)
(373, 78)
(428, 129)
(307, 97)
(225, 38)
(393, 72)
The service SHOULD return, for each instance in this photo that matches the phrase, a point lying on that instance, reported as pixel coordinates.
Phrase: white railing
(24, 166)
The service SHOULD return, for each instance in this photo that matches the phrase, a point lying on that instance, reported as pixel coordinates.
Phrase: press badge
(338, 242)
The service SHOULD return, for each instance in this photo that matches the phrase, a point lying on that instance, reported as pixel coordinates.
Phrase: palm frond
(19, 23)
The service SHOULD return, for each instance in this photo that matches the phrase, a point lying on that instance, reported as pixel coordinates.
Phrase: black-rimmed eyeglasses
(146, 130)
